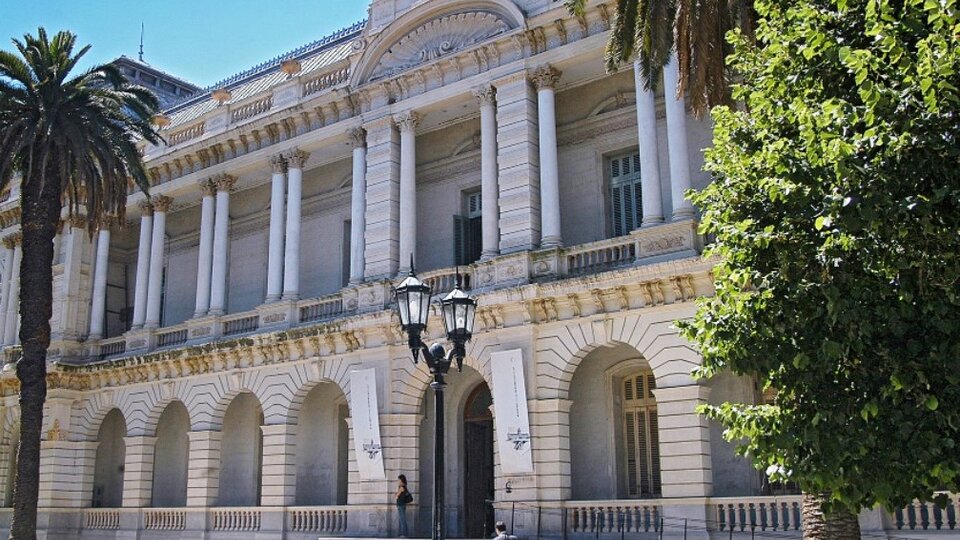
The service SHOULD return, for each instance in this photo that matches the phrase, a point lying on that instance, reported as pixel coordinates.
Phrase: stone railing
(113, 346)
(185, 135)
(599, 256)
(164, 519)
(443, 280)
(321, 309)
(235, 519)
(101, 518)
(623, 516)
(170, 337)
(249, 110)
(318, 519)
(240, 324)
(927, 516)
(757, 513)
(327, 80)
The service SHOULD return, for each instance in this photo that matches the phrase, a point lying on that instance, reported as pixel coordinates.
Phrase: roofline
(335, 38)
(155, 71)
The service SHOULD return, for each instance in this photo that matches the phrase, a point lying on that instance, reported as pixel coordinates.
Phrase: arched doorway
(322, 447)
(614, 433)
(241, 452)
(109, 462)
(170, 457)
(478, 463)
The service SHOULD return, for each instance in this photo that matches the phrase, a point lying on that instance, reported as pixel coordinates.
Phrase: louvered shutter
(461, 236)
(625, 202)
(642, 441)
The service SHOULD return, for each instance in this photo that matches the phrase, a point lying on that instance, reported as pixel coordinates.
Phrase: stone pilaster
(518, 164)
(486, 99)
(221, 245)
(685, 461)
(203, 473)
(66, 473)
(382, 234)
(358, 139)
(279, 473)
(545, 79)
(138, 471)
(407, 122)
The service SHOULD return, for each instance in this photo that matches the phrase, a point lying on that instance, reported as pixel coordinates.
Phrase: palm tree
(72, 139)
(652, 30)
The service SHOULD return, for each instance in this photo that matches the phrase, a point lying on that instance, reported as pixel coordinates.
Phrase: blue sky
(202, 41)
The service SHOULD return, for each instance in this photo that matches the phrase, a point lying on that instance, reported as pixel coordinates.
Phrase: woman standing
(403, 499)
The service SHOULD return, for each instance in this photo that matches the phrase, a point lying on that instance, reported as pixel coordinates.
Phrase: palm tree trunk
(820, 526)
(40, 213)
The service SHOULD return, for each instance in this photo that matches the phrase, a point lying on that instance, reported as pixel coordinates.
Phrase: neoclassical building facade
(205, 348)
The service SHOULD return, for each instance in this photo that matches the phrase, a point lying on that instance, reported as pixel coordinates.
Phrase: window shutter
(625, 201)
(630, 434)
(461, 236)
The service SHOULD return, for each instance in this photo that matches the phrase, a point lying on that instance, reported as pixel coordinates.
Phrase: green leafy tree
(71, 138)
(836, 210)
(651, 30)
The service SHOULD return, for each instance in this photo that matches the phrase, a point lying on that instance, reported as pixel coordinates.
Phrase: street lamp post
(458, 309)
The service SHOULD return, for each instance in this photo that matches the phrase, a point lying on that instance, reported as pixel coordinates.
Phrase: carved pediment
(437, 38)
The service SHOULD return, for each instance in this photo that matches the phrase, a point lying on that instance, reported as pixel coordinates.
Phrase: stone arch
(109, 460)
(304, 378)
(653, 334)
(410, 382)
(413, 24)
(321, 445)
(171, 455)
(162, 396)
(241, 451)
(207, 400)
(89, 413)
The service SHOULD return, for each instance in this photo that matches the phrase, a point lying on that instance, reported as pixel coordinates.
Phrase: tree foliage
(836, 212)
(651, 30)
(72, 139)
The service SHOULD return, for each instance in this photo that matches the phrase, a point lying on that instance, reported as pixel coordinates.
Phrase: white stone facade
(203, 350)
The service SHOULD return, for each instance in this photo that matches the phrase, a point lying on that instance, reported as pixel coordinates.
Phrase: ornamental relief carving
(437, 38)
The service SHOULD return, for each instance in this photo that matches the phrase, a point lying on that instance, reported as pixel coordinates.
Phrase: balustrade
(327, 520)
(113, 346)
(172, 337)
(443, 280)
(240, 324)
(101, 518)
(924, 516)
(321, 309)
(613, 516)
(250, 110)
(164, 519)
(235, 519)
(761, 513)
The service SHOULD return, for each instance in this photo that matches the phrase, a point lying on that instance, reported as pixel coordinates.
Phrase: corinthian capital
(278, 163)
(224, 182)
(486, 95)
(146, 208)
(207, 187)
(407, 120)
(545, 76)
(161, 203)
(296, 159)
(358, 137)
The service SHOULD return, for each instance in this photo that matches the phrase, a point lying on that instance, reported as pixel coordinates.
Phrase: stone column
(138, 471)
(677, 141)
(408, 122)
(291, 254)
(649, 155)
(98, 306)
(545, 79)
(73, 304)
(279, 473)
(275, 250)
(66, 473)
(685, 464)
(221, 241)
(205, 251)
(203, 473)
(13, 304)
(143, 265)
(157, 247)
(486, 97)
(8, 253)
(381, 218)
(358, 139)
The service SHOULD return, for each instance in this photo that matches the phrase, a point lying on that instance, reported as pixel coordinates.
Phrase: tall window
(626, 209)
(642, 448)
(468, 230)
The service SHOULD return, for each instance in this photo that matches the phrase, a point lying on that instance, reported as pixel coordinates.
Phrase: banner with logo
(366, 424)
(510, 412)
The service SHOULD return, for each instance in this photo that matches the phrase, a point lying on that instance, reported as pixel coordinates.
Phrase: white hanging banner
(510, 412)
(366, 424)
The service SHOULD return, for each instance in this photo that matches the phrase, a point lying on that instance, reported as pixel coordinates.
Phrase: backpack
(406, 497)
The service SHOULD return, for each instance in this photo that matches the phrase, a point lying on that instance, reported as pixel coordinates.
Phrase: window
(345, 254)
(641, 441)
(626, 208)
(468, 230)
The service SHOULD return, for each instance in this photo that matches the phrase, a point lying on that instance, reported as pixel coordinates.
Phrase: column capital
(278, 164)
(146, 208)
(107, 221)
(407, 120)
(77, 221)
(12, 240)
(161, 203)
(296, 158)
(207, 187)
(486, 95)
(224, 182)
(358, 137)
(545, 76)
